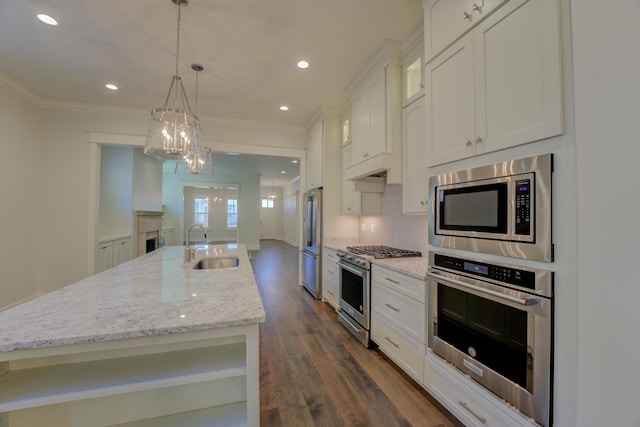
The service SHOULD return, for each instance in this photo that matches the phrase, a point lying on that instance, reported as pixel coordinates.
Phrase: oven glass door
(354, 293)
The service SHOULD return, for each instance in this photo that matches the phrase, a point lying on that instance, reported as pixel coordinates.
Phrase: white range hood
(369, 167)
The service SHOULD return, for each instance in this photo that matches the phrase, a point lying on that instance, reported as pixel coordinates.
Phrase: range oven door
(498, 336)
(355, 291)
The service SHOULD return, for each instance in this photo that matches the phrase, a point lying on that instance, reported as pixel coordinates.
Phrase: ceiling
(248, 49)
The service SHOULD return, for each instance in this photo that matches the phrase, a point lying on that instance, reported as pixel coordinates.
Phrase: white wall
(290, 210)
(392, 228)
(20, 200)
(147, 182)
(607, 111)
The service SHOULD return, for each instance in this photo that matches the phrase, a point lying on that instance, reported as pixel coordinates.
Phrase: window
(232, 213)
(267, 203)
(201, 211)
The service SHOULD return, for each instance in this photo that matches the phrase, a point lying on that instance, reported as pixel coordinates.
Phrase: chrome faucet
(189, 252)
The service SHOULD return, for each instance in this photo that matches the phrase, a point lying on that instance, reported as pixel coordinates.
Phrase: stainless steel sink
(216, 263)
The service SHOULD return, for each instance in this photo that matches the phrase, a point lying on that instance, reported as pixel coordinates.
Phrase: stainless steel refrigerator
(312, 240)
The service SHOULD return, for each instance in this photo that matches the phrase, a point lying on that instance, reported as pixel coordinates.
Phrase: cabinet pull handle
(466, 16)
(392, 281)
(469, 143)
(394, 344)
(476, 8)
(392, 307)
(483, 420)
(329, 292)
(478, 140)
(330, 272)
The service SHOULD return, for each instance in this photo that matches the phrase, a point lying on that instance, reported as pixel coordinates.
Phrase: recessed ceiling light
(284, 108)
(232, 154)
(111, 86)
(47, 19)
(283, 171)
(294, 161)
(303, 64)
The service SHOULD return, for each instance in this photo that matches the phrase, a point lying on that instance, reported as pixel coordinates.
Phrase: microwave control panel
(523, 207)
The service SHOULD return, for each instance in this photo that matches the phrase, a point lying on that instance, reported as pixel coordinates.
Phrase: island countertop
(154, 294)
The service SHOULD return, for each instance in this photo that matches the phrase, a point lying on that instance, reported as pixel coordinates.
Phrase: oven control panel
(496, 272)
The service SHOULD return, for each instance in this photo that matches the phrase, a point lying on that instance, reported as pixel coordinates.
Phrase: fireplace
(149, 225)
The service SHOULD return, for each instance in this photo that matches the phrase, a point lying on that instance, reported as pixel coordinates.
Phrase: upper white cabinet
(413, 75)
(447, 20)
(376, 117)
(498, 86)
(361, 197)
(414, 159)
(314, 157)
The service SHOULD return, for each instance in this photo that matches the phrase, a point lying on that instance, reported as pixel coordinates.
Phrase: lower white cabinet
(398, 318)
(110, 253)
(469, 402)
(166, 237)
(330, 278)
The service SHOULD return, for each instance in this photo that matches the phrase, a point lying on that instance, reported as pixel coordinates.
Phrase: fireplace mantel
(149, 226)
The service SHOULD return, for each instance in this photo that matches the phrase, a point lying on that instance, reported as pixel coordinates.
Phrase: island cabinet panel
(498, 86)
(139, 384)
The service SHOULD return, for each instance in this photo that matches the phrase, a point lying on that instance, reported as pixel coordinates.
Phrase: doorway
(268, 218)
(216, 209)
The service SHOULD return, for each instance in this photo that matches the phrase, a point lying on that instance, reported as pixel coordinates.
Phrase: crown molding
(388, 52)
(20, 90)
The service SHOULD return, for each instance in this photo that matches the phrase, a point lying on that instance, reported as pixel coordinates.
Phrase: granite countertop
(413, 266)
(155, 294)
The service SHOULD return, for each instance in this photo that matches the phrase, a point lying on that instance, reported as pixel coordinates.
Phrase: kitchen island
(152, 342)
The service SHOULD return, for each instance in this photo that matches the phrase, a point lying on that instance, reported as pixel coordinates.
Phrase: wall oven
(502, 209)
(494, 322)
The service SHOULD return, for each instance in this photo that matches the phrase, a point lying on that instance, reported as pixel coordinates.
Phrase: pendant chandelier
(173, 129)
(272, 194)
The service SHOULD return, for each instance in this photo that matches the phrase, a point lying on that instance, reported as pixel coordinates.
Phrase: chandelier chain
(178, 38)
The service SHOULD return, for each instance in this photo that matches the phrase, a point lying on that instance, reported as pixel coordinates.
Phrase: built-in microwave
(502, 209)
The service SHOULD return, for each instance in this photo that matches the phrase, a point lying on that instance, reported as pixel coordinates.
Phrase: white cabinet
(110, 253)
(363, 197)
(314, 157)
(376, 115)
(466, 400)
(166, 238)
(330, 277)
(121, 251)
(414, 159)
(104, 256)
(413, 75)
(498, 86)
(446, 20)
(398, 318)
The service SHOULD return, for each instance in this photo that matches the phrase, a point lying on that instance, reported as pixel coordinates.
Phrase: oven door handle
(526, 302)
(351, 269)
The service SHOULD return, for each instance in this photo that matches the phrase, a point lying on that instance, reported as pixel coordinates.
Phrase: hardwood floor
(314, 373)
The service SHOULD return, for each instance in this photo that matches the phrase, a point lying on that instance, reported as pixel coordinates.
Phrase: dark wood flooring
(313, 373)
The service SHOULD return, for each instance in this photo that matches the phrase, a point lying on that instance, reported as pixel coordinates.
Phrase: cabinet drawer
(330, 271)
(330, 255)
(405, 351)
(404, 312)
(410, 286)
(330, 293)
(467, 404)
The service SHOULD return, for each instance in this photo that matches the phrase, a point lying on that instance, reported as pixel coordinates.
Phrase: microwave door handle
(526, 302)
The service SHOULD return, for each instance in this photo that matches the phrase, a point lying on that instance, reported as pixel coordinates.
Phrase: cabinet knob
(476, 8)
(466, 16)
(478, 140)
(469, 143)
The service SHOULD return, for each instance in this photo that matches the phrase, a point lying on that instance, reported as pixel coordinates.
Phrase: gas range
(361, 256)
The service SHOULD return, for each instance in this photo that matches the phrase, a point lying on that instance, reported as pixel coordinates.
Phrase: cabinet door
(360, 126)
(449, 92)
(314, 157)
(414, 158)
(518, 75)
(104, 256)
(377, 114)
(444, 22)
(350, 197)
(120, 251)
(413, 76)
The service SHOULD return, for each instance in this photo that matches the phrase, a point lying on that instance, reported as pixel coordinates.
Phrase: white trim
(116, 139)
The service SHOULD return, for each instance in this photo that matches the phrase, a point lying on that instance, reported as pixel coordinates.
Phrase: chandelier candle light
(174, 130)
